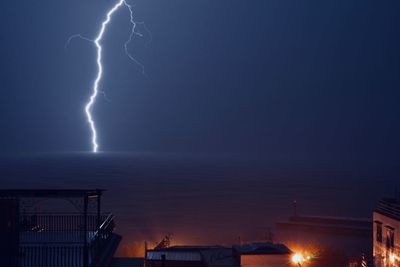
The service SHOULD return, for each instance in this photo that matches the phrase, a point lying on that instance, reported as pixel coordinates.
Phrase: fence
(48, 240)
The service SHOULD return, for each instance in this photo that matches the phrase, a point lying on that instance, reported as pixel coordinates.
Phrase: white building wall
(384, 254)
(265, 261)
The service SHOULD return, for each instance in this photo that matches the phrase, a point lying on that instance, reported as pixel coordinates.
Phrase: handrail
(109, 218)
(105, 224)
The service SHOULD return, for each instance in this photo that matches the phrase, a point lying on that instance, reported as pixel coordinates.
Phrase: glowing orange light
(297, 258)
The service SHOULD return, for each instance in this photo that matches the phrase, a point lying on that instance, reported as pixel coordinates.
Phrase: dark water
(205, 200)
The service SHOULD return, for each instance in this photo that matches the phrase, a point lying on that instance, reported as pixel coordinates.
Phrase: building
(264, 254)
(191, 256)
(247, 255)
(386, 233)
(71, 231)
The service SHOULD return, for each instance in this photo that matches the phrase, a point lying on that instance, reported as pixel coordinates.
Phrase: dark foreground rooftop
(52, 193)
(262, 248)
(127, 262)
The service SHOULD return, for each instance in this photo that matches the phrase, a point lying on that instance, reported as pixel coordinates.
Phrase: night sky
(261, 79)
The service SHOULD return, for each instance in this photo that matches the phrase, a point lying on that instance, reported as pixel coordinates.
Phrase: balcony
(63, 239)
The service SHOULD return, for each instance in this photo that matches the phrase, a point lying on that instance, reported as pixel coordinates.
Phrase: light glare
(297, 258)
(392, 258)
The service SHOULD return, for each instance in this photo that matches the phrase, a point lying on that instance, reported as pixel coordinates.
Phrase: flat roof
(127, 262)
(173, 255)
(389, 207)
(50, 193)
(262, 248)
(193, 248)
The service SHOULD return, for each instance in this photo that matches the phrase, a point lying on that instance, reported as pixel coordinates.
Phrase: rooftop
(127, 262)
(193, 248)
(49, 193)
(211, 256)
(262, 248)
(172, 255)
(389, 207)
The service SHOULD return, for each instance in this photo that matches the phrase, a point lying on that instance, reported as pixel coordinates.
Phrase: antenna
(295, 208)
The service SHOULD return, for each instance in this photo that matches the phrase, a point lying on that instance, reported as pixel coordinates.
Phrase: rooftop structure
(262, 248)
(389, 207)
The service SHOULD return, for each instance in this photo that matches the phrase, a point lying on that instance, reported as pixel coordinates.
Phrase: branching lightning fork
(97, 41)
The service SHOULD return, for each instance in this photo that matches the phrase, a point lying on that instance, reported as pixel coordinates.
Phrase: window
(378, 231)
(389, 237)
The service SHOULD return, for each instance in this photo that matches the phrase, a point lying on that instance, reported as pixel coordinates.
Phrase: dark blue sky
(276, 79)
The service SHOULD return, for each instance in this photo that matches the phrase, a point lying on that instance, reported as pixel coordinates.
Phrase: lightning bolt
(97, 42)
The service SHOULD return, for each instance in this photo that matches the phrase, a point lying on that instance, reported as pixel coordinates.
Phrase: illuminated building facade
(386, 236)
(191, 256)
(245, 255)
(266, 255)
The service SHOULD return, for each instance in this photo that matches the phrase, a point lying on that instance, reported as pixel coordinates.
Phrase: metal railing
(56, 222)
(59, 239)
(46, 255)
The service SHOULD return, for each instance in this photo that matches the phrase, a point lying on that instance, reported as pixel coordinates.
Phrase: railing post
(98, 237)
(98, 209)
(85, 224)
(17, 233)
(163, 260)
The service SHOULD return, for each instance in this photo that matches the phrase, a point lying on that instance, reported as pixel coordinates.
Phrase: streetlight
(298, 259)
